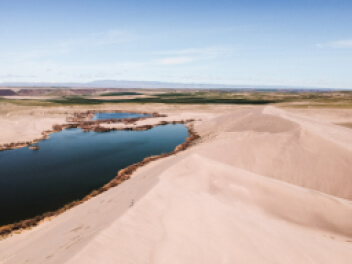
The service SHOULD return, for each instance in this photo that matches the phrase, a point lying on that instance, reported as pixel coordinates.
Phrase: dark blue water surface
(102, 116)
(72, 163)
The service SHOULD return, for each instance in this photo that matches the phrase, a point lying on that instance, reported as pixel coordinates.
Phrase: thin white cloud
(52, 51)
(184, 51)
(340, 44)
(202, 53)
(98, 39)
(175, 60)
(36, 71)
(34, 54)
(183, 56)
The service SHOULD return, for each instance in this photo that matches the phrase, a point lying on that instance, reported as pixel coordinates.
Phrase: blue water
(72, 163)
(102, 116)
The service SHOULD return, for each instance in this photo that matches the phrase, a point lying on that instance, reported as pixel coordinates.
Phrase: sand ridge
(270, 142)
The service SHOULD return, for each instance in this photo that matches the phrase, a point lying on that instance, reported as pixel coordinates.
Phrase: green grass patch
(77, 100)
(172, 100)
(28, 102)
(172, 94)
(289, 99)
(120, 94)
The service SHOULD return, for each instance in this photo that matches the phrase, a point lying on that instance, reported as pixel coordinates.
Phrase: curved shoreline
(81, 120)
(122, 175)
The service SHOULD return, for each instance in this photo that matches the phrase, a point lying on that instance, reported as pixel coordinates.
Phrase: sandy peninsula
(262, 185)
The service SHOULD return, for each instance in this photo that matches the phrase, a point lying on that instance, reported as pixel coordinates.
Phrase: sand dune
(274, 143)
(215, 213)
(263, 186)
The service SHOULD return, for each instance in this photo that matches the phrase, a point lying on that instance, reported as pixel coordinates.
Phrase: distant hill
(138, 84)
(7, 92)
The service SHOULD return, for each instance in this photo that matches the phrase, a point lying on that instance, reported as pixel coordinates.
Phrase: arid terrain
(267, 182)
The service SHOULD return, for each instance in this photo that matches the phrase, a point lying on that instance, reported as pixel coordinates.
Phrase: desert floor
(262, 185)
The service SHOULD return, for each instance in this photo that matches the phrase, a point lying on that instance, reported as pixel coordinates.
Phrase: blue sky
(297, 43)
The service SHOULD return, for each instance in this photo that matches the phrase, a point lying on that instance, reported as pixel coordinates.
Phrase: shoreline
(79, 121)
(122, 175)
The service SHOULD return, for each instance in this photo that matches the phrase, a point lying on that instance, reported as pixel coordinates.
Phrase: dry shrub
(101, 129)
(57, 128)
(6, 230)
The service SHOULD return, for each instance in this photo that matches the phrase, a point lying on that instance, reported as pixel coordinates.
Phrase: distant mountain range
(135, 84)
(151, 84)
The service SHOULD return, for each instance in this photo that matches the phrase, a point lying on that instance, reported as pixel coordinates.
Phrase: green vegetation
(173, 94)
(163, 99)
(299, 99)
(121, 94)
(78, 100)
(28, 102)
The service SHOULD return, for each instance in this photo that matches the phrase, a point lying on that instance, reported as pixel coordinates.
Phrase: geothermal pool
(72, 163)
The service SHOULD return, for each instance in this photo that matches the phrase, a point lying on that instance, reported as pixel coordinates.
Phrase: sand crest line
(122, 175)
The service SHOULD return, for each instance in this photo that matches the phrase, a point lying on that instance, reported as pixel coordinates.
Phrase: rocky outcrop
(7, 92)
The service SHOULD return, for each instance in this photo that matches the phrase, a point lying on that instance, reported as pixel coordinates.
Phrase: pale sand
(26, 125)
(261, 186)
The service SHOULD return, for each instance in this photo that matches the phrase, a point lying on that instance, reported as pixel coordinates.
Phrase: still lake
(102, 116)
(72, 163)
